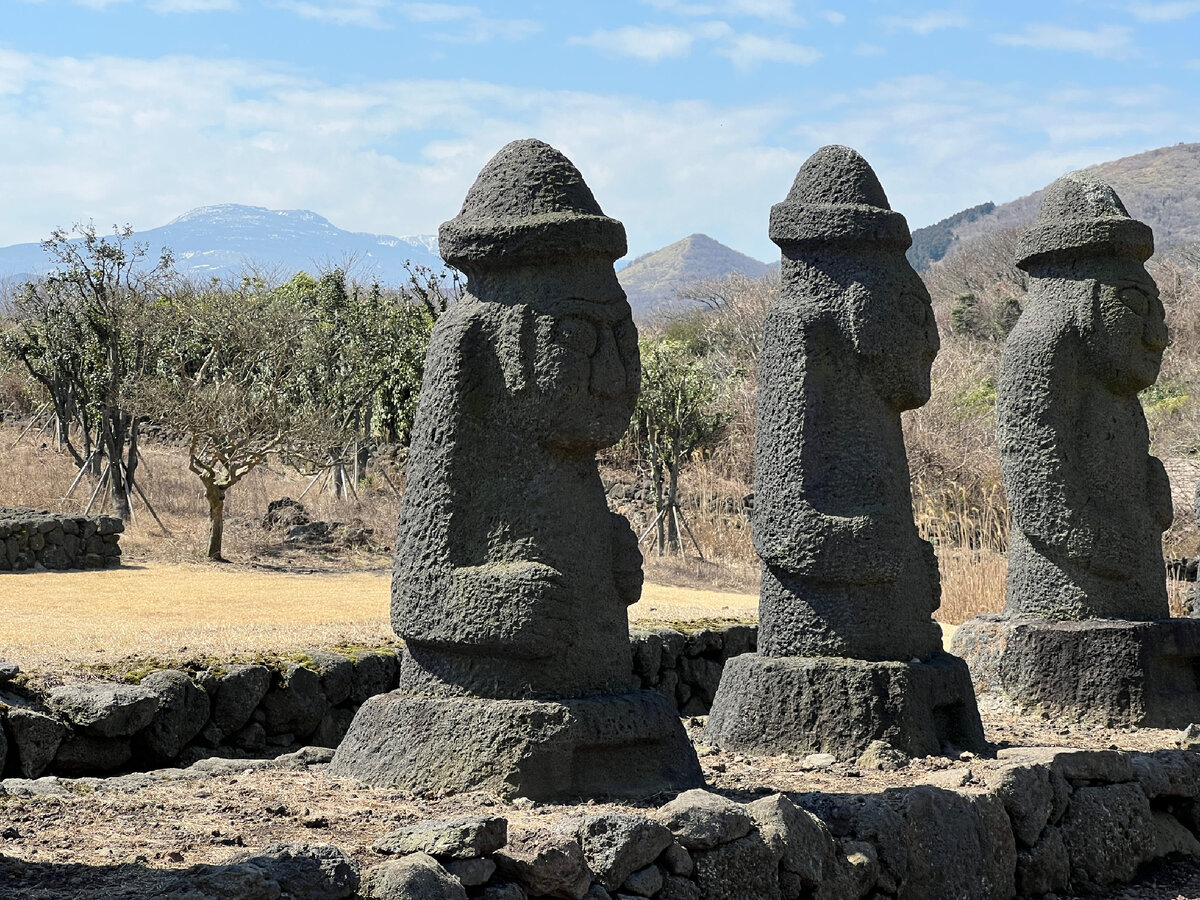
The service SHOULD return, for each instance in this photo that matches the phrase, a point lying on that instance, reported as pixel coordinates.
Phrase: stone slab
(1109, 672)
(622, 745)
(802, 705)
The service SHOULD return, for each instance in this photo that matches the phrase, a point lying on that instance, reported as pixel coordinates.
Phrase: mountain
(652, 280)
(231, 238)
(1160, 187)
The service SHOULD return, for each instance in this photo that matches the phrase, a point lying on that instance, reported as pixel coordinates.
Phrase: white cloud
(1105, 42)
(472, 25)
(141, 141)
(869, 50)
(1164, 12)
(363, 13)
(833, 17)
(191, 6)
(782, 12)
(927, 23)
(650, 43)
(748, 51)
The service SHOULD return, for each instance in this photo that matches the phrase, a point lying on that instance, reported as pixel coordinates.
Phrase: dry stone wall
(1030, 823)
(39, 539)
(172, 717)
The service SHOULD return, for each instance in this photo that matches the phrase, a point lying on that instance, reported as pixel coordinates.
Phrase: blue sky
(683, 115)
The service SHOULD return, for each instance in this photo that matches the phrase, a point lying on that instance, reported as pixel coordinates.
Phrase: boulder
(801, 841)
(743, 869)
(305, 871)
(336, 673)
(296, 705)
(105, 709)
(616, 844)
(645, 882)
(183, 710)
(374, 673)
(1108, 831)
(546, 863)
(36, 737)
(238, 693)
(448, 838)
(417, 876)
(701, 820)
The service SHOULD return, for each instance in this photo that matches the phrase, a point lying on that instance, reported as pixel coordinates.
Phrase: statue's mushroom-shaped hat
(1083, 216)
(837, 198)
(528, 205)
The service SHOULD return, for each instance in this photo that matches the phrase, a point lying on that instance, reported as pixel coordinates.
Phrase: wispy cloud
(654, 43)
(362, 13)
(747, 51)
(118, 139)
(869, 50)
(650, 43)
(470, 23)
(927, 23)
(1164, 12)
(782, 12)
(1104, 42)
(833, 17)
(191, 6)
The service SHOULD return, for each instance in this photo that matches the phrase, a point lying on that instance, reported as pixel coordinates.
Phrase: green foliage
(679, 409)
(964, 315)
(979, 399)
(1163, 400)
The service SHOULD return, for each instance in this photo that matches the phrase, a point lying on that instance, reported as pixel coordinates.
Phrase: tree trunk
(656, 475)
(216, 518)
(672, 504)
(114, 445)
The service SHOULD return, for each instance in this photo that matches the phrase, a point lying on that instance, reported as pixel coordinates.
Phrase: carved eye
(914, 308)
(1136, 299)
(577, 334)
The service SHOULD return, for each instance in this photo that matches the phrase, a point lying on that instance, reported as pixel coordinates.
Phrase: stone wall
(1031, 823)
(686, 667)
(1038, 821)
(177, 717)
(173, 717)
(39, 539)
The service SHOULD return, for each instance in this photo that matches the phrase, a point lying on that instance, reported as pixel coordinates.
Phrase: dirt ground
(194, 818)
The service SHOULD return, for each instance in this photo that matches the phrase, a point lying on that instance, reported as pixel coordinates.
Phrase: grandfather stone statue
(847, 649)
(1088, 503)
(512, 578)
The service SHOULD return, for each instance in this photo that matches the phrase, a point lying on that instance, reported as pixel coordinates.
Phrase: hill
(652, 280)
(1161, 187)
(229, 238)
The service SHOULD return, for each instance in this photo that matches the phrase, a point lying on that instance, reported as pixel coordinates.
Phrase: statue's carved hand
(627, 560)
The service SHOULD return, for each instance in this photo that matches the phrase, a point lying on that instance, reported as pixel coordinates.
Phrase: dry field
(180, 612)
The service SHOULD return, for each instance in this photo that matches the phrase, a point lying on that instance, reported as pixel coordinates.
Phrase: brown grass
(188, 612)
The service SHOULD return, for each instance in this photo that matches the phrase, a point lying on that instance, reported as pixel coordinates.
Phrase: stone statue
(848, 651)
(847, 348)
(512, 578)
(506, 545)
(1088, 502)
(1085, 635)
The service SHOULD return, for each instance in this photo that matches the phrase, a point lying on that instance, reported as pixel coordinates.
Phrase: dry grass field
(183, 612)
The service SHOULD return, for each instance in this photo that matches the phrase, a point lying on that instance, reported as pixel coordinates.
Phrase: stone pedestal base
(1109, 672)
(622, 745)
(800, 705)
